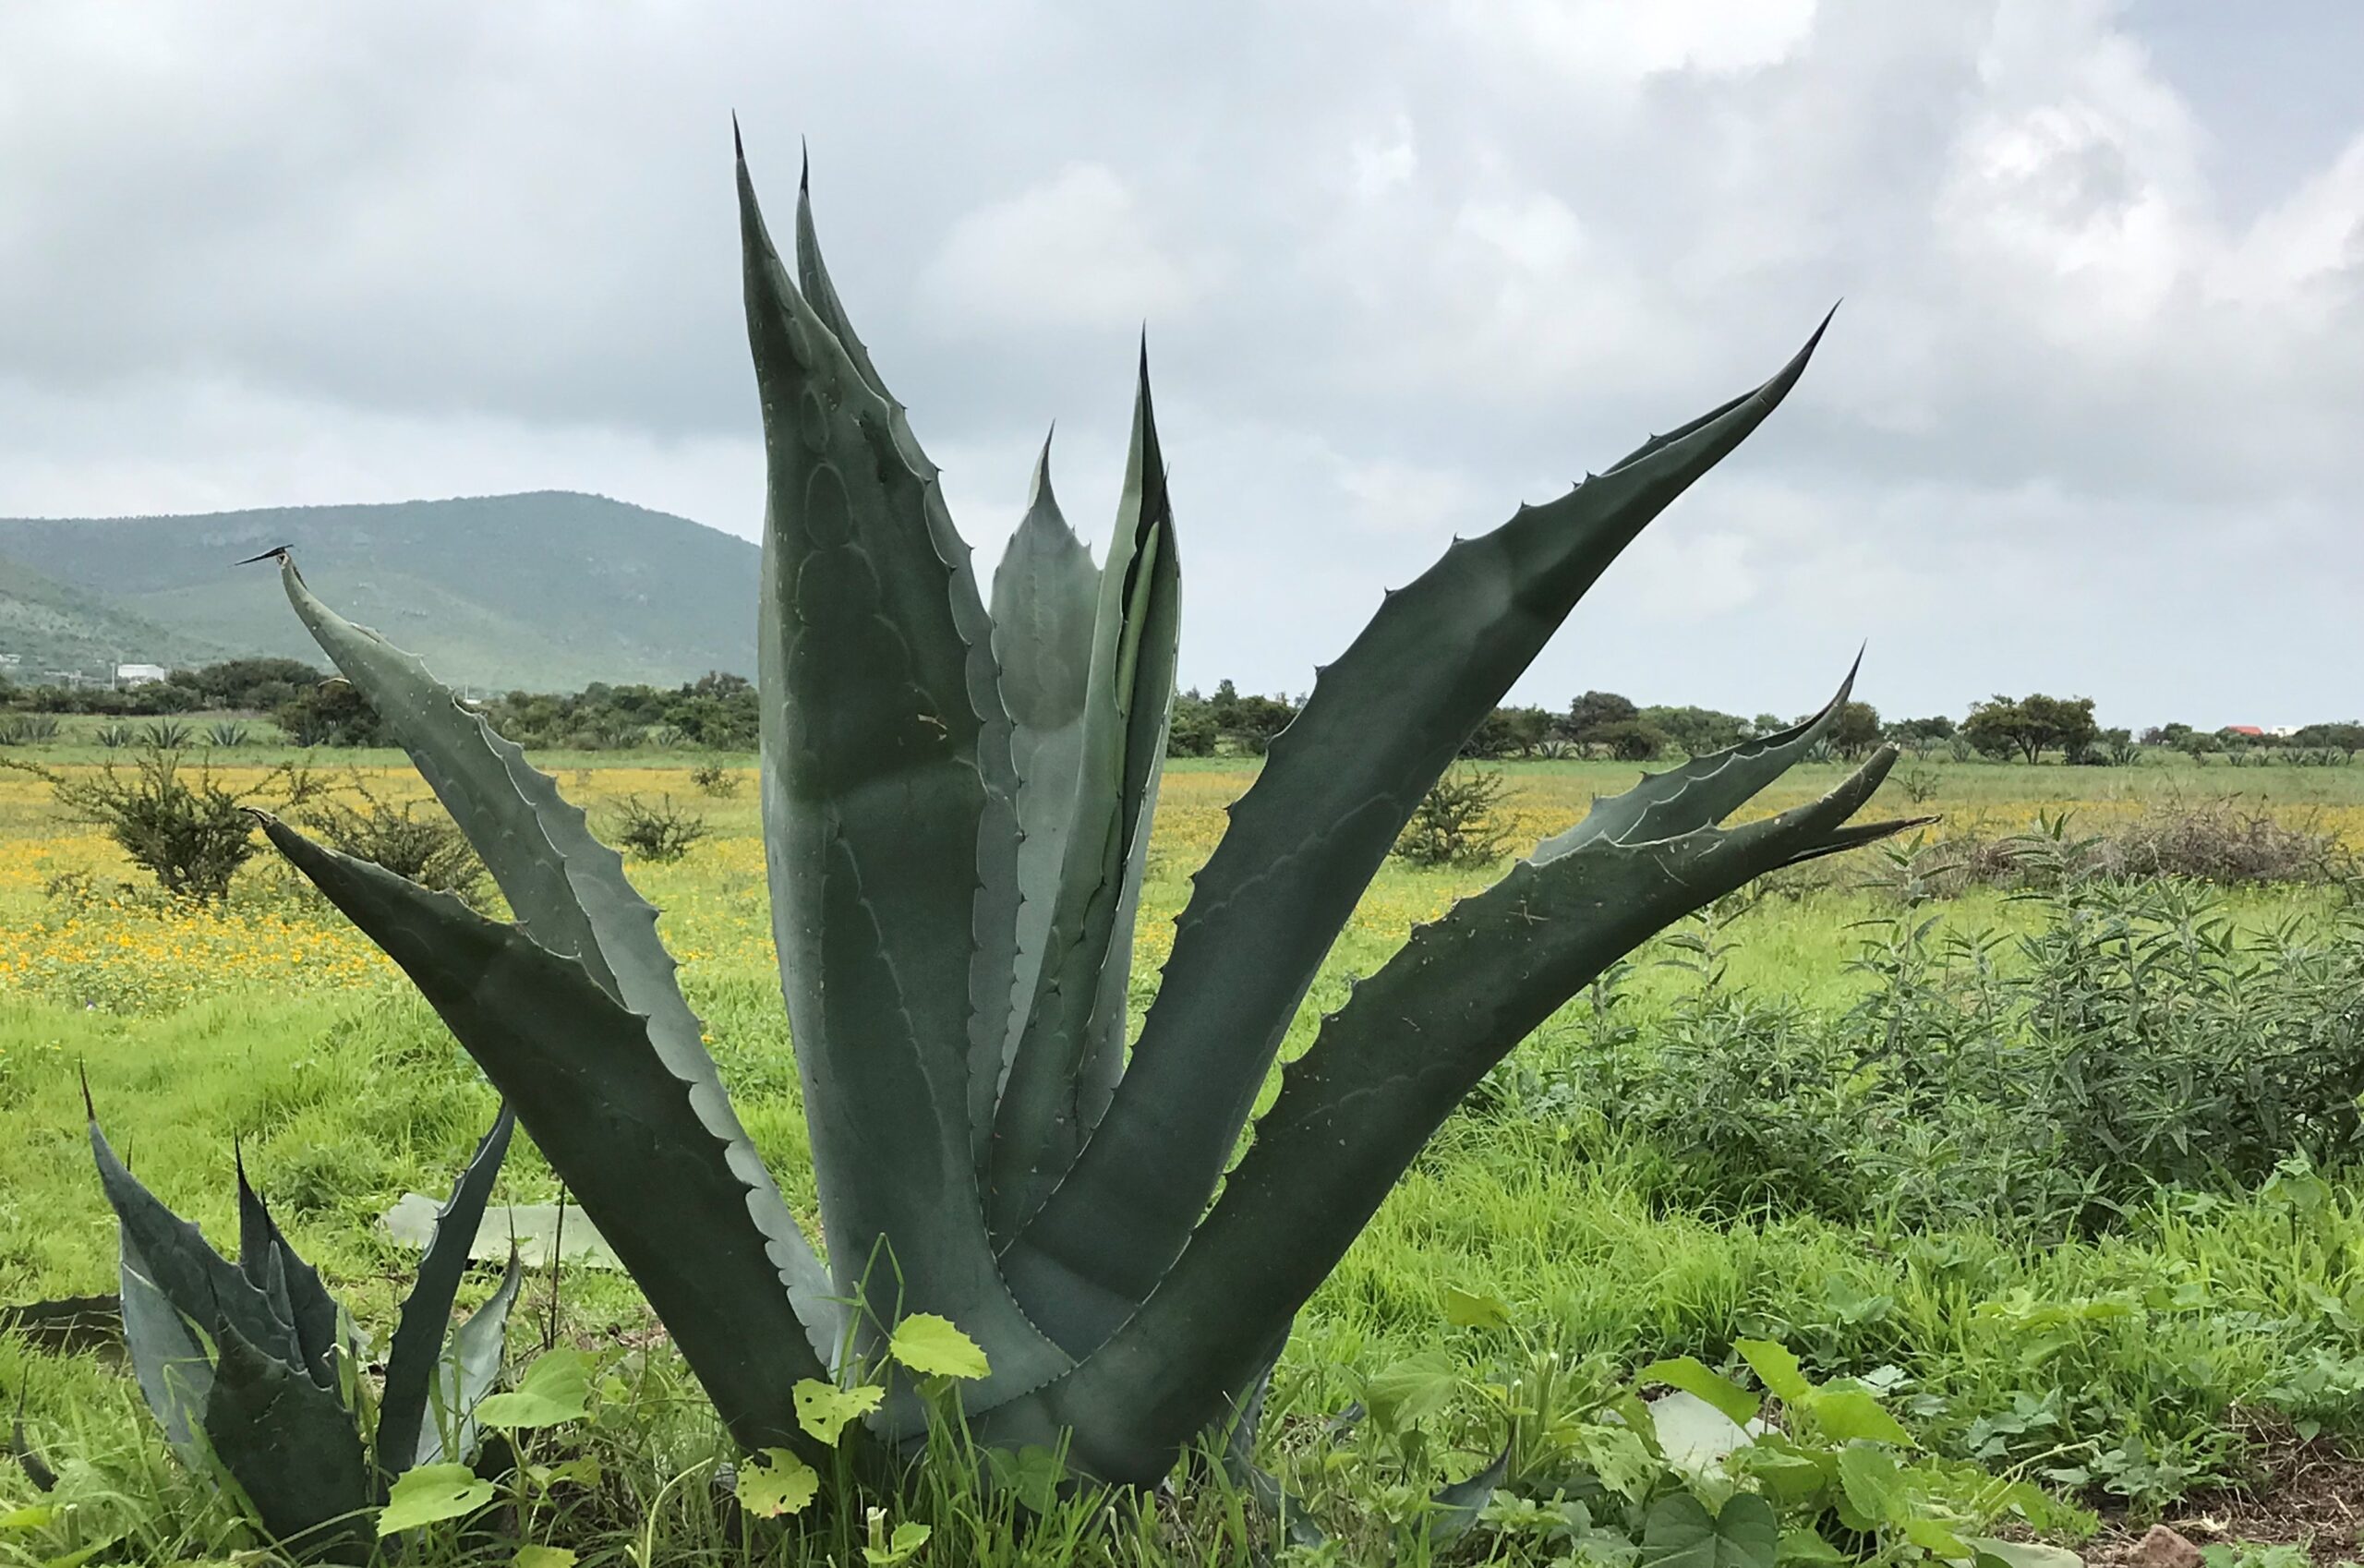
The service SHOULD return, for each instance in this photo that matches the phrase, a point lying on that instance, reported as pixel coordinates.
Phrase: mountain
(547, 592)
(50, 627)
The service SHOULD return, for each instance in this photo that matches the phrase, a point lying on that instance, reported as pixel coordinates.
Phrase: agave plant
(957, 807)
(249, 1366)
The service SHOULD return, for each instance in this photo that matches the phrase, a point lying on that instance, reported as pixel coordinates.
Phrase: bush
(1454, 823)
(192, 836)
(333, 713)
(2051, 1083)
(657, 832)
(414, 839)
(2219, 841)
(713, 778)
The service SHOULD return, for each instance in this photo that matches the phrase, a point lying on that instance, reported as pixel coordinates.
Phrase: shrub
(657, 832)
(416, 839)
(191, 836)
(333, 713)
(713, 778)
(1454, 824)
(2139, 1041)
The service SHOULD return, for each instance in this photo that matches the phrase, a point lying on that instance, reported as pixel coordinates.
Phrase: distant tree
(1695, 731)
(1595, 710)
(1921, 736)
(1191, 731)
(1856, 731)
(330, 713)
(1248, 724)
(1767, 724)
(2346, 739)
(2117, 748)
(717, 712)
(2031, 725)
(1629, 739)
(1509, 732)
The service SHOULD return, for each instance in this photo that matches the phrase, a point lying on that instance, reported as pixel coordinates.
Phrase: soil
(2310, 1493)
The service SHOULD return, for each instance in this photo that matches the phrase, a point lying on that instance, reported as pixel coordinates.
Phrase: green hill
(547, 592)
(52, 627)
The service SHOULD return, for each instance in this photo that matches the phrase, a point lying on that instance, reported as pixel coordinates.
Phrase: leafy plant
(1454, 823)
(164, 735)
(659, 832)
(113, 737)
(252, 1368)
(29, 729)
(957, 812)
(713, 778)
(225, 733)
(192, 836)
(414, 839)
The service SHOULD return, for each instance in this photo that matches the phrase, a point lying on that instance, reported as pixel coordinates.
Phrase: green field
(2136, 1360)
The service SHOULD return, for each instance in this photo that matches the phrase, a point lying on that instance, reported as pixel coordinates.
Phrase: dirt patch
(2310, 1493)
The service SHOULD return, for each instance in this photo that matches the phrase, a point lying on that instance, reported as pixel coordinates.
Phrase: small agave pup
(957, 807)
(249, 1368)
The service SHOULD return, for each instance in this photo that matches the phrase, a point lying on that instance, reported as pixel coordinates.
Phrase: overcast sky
(2091, 418)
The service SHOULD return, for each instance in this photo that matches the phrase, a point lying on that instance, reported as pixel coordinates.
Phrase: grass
(2137, 1358)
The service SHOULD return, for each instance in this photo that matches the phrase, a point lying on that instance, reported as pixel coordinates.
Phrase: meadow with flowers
(2170, 1339)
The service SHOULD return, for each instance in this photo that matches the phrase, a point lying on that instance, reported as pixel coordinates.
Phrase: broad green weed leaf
(1033, 1474)
(823, 1409)
(908, 1537)
(32, 1517)
(775, 1482)
(555, 1389)
(542, 1557)
(931, 1346)
(1847, 1413)
(1777, 1369)
(1680, 1533)
(1474, 1309)
(1403, 1391)
(1616, 1457)
(2022, 1554)
(1935, 1538)
(1870, 1487)
(1804, 1545)
(1700, 1381)
(430, 1492)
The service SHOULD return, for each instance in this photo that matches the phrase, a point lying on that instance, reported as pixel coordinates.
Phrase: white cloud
(1077, 250)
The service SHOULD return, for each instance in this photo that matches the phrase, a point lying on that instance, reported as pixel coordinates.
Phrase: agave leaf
(172, 1364)
(570, 893)
(291, 1445)
(411, 1361)
(166, 1255)
(1382, 1074)
(1337, 786)
(467, 1372)
(1456, 1507)
(995, 913)
(893, 910)
(265, 1256)
(612, 1117)
(1064, 1067)
(1704, 790)
(1046, 593)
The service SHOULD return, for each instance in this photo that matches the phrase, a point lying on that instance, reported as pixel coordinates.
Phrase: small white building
(139, 674)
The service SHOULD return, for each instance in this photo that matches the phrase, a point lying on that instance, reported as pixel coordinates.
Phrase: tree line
(719, 712)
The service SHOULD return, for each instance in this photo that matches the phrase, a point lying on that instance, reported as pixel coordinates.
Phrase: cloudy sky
(2091, 418)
